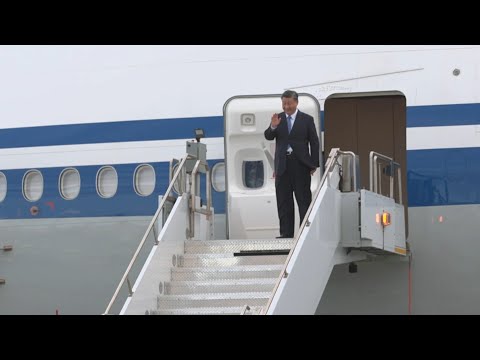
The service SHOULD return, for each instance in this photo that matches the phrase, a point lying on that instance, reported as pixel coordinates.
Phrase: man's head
(289, 101)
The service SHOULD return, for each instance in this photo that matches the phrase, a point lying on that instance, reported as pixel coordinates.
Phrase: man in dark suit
(294, 163)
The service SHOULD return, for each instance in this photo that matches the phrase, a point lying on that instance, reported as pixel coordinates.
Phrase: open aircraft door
(371, 121)
(251, 208)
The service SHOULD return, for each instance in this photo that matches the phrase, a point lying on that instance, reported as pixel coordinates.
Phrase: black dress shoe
(284, 237)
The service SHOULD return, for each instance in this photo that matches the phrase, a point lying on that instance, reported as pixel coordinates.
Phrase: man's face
(289, 105)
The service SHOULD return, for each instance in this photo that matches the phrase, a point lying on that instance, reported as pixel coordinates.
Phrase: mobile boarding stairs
(187, 272)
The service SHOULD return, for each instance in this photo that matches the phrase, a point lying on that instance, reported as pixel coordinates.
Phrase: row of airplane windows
(106, 182)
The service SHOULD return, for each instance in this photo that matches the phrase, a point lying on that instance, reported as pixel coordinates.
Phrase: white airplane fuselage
(87, 133)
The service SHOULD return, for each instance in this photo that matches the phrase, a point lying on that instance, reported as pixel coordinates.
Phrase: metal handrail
(154, 219)
(353, 165)
(400, 186)
(182, 180)
(329, 166)
(375, 185)
(193, 191)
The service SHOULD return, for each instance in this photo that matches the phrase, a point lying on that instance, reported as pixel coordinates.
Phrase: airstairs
(189, 272)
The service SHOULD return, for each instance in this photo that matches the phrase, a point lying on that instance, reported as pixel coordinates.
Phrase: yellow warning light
(386, 219)
(378, 218)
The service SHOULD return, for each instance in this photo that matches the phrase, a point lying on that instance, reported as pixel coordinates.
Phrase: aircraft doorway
(251, 209)
(365, 122)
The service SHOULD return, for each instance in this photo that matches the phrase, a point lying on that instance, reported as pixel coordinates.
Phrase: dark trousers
(296, 179)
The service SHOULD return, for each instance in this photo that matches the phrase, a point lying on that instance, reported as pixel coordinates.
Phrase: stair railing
(145, 236)
(332, 161)
(375, 174)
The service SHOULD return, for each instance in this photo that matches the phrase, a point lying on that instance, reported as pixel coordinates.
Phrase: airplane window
(32, 185)
(218, 177)
(69, 184)
(144, 180)
(3, 186)
(253, 174)
(107, 182)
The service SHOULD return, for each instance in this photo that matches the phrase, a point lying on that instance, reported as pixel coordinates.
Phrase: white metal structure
(225, 277)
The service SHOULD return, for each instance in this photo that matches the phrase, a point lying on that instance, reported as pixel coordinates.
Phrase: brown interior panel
(345, 126)
(375, 126)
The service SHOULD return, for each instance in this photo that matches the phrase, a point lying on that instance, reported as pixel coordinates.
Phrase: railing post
(208, 191)
(392, 175)
(400, 199)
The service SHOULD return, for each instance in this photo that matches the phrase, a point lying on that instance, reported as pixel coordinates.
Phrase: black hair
(290, 94)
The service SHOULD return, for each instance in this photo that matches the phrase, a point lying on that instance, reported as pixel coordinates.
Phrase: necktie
(289, 119)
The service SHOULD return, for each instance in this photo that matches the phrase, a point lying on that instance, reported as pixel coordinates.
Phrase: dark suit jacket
(303, 132)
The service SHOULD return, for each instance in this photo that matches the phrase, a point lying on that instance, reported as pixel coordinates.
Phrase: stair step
(232, 272)
(165, 302)
(232, 246)
(237, 310)
(219, 259)
(212, 287)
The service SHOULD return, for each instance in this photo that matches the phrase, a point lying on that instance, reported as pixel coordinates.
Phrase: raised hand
(275, 120)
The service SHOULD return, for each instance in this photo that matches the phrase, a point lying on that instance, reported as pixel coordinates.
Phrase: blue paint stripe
(120, 131)
(434, 178)
(443, 115)
(125, 202)
(443, 177)
(182, 128)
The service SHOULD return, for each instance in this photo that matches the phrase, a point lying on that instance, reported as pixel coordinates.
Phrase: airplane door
(251, 209)
(370, 121)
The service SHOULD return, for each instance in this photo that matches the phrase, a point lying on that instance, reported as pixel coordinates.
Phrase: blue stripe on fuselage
(126, 202)
(434, 177)
(119, 131)
(443, 177)
(144, 130)
(443, 115)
